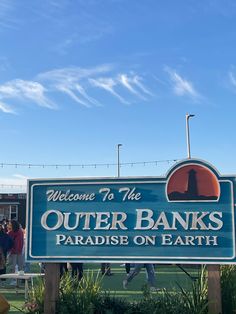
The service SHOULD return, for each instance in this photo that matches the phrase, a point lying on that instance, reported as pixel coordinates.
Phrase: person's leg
(108, 269)
(63, 269)
(73, 269)
(103, 268)
(2, 272)
(150, 271)
(20, 264)
(12, 262)
(77, 270)
(20, 261)
(42, 268)
(127, 268)
(132, 274)
(80, 271)
(26, 266)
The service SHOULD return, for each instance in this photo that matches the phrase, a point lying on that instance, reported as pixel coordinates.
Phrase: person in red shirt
(16, 257)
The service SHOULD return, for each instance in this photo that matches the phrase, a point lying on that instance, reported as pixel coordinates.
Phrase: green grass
(167, 276)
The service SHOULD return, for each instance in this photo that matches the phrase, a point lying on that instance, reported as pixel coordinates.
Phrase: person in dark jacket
(6, 243)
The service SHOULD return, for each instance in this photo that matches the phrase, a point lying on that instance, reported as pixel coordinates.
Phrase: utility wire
(84, 165)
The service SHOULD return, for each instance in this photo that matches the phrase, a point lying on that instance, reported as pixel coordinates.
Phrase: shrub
(79, 296)
(162, 302)
(112, 305)
(228, 288)
(195, 301)
(86, 297)
(35, 303)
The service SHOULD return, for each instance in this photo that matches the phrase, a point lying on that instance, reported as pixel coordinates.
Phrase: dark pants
(77, 270)
(106, 269)
(127, 268)
(2, 272)
(63, 269)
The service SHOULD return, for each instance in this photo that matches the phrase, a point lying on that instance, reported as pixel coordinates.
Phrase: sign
(185, 217)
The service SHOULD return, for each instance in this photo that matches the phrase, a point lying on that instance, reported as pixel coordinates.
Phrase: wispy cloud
(24, 90)
(232, 79)
(108, 85)
(6, 108)
(162, 82)
(7, 14)
(127, 82)
(20, 176)
(137, 80)
(132, 83)
(69, 91)
(77, 83)
(181, 86)
(69, 80)
(82, 91)
(73, 74)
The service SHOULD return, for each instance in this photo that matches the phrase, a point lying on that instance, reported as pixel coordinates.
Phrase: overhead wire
(84, 165)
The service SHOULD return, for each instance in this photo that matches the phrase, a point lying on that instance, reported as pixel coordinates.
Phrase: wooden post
(52, 281)
(214, 289)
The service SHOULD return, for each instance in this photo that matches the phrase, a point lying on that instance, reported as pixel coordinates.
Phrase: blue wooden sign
(185, 217)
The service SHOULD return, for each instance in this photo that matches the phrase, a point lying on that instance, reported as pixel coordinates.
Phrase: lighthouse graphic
(193, 183)
(192, 191)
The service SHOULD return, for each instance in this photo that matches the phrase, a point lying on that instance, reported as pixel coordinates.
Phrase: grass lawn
(167, 276)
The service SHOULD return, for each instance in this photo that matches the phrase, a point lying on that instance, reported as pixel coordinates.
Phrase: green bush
(86, 297)
(195, 300)
(162, 302)
(35, 303)
(228, 288)
(79, 296)
(112, 305)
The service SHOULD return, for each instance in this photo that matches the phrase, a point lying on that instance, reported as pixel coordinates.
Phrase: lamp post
(188, 116)
(118, 159)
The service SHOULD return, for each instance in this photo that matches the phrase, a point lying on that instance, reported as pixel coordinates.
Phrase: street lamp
(188, 116)
(118, 159)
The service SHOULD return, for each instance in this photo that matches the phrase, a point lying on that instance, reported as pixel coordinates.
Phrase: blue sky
(78, 77)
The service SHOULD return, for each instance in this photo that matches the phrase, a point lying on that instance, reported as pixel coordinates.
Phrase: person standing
(15, 256)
